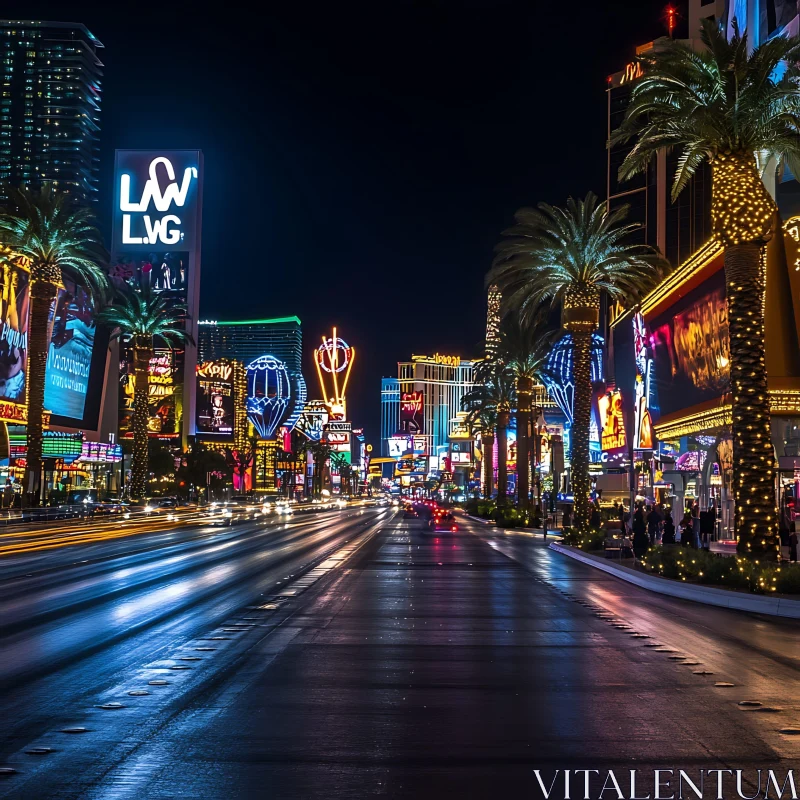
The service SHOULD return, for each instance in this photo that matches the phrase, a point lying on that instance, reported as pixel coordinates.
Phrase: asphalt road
(351, 654)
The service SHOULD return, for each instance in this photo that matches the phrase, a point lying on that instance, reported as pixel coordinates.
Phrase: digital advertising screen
(14, 303)
(69, 359)
(157, 200)
(215, 401)
(164, 391)
(689, 343)
(161, 271)
(412, 412)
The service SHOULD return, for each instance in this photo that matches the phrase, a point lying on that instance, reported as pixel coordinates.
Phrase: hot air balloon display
(269, 394)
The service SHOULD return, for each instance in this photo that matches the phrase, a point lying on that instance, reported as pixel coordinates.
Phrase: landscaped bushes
(700, 566)
(594, 540)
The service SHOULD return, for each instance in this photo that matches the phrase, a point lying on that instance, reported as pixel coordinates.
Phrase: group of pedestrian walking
(653, 524)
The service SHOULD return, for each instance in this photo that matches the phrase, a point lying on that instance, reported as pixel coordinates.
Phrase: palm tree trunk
(142, 353)
(581, 420)
(487, 442)
(753, 456)
(502, 457)
(43, 293)
(524, 390)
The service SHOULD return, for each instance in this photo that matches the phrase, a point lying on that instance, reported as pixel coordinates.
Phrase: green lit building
(248, 340)
(50, 105)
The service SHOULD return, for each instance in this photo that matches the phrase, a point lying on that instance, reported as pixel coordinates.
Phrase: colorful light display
(268, 394)
(559, 375)
(334, 359)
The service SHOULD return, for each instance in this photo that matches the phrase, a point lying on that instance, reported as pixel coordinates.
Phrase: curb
(724, 598)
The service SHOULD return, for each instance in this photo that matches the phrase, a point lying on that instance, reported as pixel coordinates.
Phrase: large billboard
(156, 242)
(412, 412)
(690, 347)
(75, 360)
(14, 305)
(215, 398)
(157, 200)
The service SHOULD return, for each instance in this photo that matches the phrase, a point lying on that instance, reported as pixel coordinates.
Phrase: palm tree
(523, 347)
(570, 255)
(738, 111)
(320, 452)
(483, 420)
(61, 242)
(494, 395)
(143, 317)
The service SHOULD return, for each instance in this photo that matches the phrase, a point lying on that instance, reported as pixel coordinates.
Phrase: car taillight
(454, 528)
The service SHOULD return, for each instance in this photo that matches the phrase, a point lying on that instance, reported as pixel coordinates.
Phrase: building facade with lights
(248, 340)
(665, 412)
(50, 106)
(422, 423)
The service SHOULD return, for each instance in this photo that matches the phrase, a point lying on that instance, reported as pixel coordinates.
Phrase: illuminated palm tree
(483, 420)
(523, 347)
(143, 317)
(494, 396)
(570, 256)
(738, 111)
(61, 242)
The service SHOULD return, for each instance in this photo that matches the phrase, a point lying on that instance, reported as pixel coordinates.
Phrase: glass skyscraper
(50, 106)
(248, 340)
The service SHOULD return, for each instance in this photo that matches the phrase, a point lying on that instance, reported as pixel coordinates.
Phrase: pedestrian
(668, 536)
(686, 529)
(566, 518)
(640, 541)
(792, 542)
(696, 525)
(594, 519)
(615, 511)
(653, 521)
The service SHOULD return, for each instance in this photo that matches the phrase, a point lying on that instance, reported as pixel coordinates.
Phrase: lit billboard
(156, 243)
(215, 398)
(75, 359)
(412, 412)
(14, 305)
(157, 200)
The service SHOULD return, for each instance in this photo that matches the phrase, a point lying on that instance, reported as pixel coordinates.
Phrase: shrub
(594, 540)
(728, 572)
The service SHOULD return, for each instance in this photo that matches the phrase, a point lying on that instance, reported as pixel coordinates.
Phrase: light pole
(540, 429)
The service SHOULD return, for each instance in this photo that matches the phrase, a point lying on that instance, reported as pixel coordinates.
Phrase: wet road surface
(402, 664)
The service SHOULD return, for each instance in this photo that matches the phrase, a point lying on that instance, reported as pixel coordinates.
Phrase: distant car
(107, 507)
(409, 511)
(443, 521)
(226, 514)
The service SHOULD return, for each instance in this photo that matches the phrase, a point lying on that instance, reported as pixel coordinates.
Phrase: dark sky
(362, 159)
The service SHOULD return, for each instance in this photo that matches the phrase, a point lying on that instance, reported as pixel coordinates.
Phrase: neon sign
(155, 229)
(334, 358)
(215, 369)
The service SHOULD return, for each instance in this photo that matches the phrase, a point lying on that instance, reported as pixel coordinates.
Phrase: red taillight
(454, 528)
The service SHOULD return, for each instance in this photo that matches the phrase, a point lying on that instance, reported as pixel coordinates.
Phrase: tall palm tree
(483, 420)
(738, 111)
(320, 452)
(61, 242)
(569, 256)
(143, 317)
(523, 347)
(495, 395)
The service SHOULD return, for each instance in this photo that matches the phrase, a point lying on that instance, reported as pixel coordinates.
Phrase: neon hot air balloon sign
(269, 394)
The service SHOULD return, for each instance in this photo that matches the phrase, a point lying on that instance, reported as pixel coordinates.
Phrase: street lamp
(539, 428)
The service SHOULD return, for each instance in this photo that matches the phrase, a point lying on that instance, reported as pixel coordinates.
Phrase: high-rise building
(250, 339)
(50, 106)
(390, 411)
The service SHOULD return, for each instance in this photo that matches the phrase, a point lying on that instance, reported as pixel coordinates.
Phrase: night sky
(362, 159)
